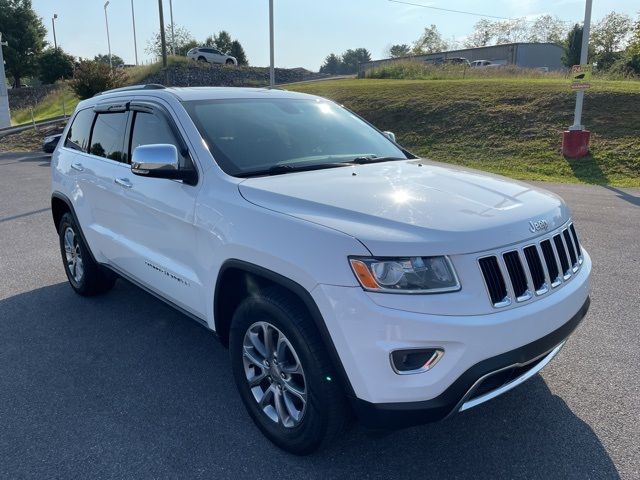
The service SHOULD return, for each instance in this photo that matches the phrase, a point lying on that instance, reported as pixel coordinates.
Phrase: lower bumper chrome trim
(510, 385)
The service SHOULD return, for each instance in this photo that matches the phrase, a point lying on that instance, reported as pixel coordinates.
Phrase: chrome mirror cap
(153, 159)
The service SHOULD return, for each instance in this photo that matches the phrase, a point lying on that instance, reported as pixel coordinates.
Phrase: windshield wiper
(279, 169)
(374, 159)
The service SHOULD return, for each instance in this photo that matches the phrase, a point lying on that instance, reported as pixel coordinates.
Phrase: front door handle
(77, 166)
(123, 182)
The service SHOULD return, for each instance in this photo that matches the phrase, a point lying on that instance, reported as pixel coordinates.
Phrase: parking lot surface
(122, 386)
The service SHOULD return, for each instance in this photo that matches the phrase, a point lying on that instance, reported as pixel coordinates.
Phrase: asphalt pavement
(122, 386)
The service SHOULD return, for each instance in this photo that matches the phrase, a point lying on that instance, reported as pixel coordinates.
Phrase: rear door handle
(123, 182)
(77, 166)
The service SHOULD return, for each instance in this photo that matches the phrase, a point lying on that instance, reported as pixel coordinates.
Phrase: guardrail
(42, 123)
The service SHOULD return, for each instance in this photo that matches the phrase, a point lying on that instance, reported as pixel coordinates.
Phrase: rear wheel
(283, 373)
(84, 274)
(230, 62)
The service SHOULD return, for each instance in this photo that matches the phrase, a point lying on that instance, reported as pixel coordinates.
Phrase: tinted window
(150, 129)
(250, 135)
(107, 139)
(78, 136)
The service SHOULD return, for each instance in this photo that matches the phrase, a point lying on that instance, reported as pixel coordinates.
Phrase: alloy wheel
(73, 254)
(274, 373)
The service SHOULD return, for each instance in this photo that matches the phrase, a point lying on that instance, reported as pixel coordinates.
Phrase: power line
(449, 10)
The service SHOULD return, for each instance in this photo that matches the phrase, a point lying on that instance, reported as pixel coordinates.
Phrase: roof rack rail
(149, 86)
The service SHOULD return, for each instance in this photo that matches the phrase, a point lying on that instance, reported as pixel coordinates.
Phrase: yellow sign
(580, 77)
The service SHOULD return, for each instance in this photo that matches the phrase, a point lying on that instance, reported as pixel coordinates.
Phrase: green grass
(51, 106)
(510, 126)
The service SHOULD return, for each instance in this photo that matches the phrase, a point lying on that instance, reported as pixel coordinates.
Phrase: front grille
(519, 273)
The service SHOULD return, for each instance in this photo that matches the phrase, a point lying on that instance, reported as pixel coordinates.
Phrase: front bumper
(365, 332)
(463, 393)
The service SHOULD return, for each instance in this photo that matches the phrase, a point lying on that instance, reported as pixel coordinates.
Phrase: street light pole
(106, 20)
(163, 40)
(135, 42)
(272, 75)
(584, 53)
(53, 23)
(173, 35)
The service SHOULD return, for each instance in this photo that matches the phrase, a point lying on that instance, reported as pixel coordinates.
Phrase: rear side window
(107, 138)
(78, 136)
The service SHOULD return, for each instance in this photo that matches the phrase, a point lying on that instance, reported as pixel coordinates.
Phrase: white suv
(345, 274)
(211, 55)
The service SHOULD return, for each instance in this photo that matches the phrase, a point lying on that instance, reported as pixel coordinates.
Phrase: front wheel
(230, 62)
(283, 373)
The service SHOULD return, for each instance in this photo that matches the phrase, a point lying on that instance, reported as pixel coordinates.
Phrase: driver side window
(151, 129)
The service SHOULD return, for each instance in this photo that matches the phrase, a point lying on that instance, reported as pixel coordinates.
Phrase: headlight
(405, 275)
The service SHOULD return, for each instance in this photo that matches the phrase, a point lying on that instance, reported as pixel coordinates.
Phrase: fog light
(414, 360)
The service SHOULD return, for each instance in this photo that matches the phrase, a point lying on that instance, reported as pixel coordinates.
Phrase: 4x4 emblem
(538, 225)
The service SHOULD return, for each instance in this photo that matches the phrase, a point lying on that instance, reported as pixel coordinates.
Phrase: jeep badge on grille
(538, 226)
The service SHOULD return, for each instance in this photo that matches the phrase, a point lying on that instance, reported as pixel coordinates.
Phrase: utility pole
(135, 42)
(173, 35)
(53, 23)
(5, 116)
(272, 74)
(163, 42)
(575, 141)
(106, 20)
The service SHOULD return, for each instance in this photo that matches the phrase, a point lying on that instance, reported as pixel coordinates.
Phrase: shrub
(94, 77)
(55, 64)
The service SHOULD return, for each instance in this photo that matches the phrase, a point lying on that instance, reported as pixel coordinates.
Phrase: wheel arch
(60, 204)
(238, 279)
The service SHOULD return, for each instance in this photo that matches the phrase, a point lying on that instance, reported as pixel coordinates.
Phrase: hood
(413, 207)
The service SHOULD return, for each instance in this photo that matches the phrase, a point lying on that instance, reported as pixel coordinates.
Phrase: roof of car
(201, 93)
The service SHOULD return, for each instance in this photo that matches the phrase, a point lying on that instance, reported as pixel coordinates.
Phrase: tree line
(614, 42)
(27, 54)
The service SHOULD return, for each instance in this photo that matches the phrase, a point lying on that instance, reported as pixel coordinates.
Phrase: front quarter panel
(229, 227)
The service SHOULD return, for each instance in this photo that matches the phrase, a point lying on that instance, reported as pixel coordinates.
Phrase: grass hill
(510, 126)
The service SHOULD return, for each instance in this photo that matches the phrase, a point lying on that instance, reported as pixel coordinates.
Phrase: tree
(184, 41)
(430, 41)
(609, 37)
(92, 77)
(222, 41)
(400, 50)
(483, 33)
(634, 44)
(55, 64)
(351, 60)
(573, 44)
(510, 31)
(24, 31)
(237, 51)
(332, 65)
(116, 61)
(547, 28)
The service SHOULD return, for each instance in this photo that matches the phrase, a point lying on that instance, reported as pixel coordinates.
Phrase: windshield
(252, 136)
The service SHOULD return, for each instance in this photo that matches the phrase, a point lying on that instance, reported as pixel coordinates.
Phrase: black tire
(202, 59)
(230, 62)
(325, 414)
(93, 279)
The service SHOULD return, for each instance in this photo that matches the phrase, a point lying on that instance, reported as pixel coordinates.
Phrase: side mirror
(390, 135)
(159, 161)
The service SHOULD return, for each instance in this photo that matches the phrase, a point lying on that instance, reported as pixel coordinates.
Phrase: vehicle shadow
(121, 385)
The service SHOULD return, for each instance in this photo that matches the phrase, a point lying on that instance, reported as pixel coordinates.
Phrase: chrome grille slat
(515, 274)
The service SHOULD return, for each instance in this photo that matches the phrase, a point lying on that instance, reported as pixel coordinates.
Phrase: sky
(306, 31)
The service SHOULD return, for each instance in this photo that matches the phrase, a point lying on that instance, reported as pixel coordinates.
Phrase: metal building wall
(528, 55)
